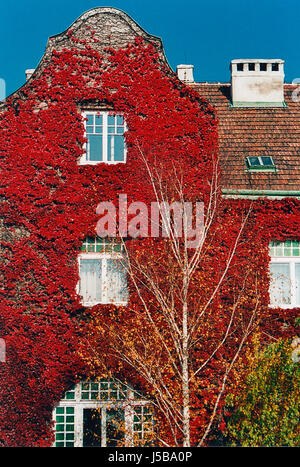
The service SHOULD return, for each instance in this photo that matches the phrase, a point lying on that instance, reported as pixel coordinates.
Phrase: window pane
(116, 281)
(280, 286)
(111, 120)
(94, 147)
(115, 149)
(90, 280)
(297, 285)
(90, 119)
(119, 148)
(120, 120)
(266, 160)
(92, 427)
(115, 429)
(254, 161)
(98, 120)
(70, 395)
(296, 249)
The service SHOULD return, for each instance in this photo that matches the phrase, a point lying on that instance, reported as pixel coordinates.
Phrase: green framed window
(64, 427)
(285, 274)
(101, 245)
(103, 413)
(106, 390)
(143, 423)
(285, 249)
(260, 163)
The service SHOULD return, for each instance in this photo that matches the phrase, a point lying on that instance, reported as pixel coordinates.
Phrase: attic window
(263, 67)
(104, 132)
(251, 66)
(275, 67)
(240, 67)
(260, 163)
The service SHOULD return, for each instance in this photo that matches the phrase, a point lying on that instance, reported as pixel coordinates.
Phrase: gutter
(255, 194)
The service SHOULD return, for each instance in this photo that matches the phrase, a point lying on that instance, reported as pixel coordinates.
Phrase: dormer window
(257, 163)
(105, 138)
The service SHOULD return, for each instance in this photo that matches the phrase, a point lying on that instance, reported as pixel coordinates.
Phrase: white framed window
(102, 413)
(102, 272)
(285, 274)
(105, 138)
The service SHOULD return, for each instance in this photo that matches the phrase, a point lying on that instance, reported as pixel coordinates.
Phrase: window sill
(257, 105)
(285, 306)
(90, 304)
(100, 162)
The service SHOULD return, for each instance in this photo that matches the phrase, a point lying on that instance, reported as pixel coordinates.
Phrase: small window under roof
(260, 163)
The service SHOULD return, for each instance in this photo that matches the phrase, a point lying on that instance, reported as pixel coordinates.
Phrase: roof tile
(256, 131)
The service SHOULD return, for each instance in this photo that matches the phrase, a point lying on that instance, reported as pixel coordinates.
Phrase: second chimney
(257, 83)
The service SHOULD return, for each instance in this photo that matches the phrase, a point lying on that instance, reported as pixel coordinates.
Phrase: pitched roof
(256, 132)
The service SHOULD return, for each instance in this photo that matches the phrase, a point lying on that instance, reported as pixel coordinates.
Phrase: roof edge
(256, 194)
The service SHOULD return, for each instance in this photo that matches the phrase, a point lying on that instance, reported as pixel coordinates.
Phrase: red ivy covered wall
(48, 206)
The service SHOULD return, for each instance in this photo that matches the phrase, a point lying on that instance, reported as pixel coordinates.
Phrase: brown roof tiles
(256, 131)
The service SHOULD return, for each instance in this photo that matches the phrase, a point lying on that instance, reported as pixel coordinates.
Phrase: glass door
(92, 427)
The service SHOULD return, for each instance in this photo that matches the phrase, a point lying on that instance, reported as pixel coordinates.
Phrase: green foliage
(265, 412)
(297, 322)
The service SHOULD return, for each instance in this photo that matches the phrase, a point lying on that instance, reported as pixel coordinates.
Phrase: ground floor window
(103, 413)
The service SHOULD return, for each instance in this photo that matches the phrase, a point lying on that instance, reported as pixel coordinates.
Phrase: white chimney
(185, 73)
(29, 72)
(257, 82)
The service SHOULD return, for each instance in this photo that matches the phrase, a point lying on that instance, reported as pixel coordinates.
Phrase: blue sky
(205, 34)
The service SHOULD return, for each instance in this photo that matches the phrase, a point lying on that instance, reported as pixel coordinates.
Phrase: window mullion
(78, 425)
(105, 136)
(104, 280)
(103, 427)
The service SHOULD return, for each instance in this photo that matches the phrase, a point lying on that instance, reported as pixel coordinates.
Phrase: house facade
(44, 205)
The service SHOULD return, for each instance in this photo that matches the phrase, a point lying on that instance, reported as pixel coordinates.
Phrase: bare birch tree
(177, 335)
